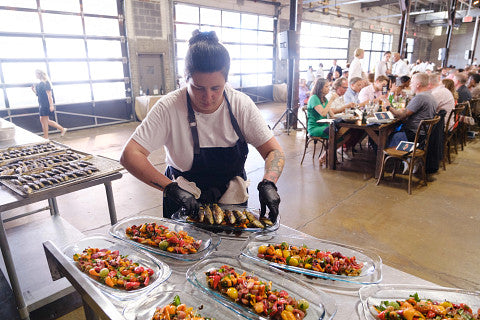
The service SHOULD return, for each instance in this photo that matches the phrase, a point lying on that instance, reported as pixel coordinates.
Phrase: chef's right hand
(182, 198)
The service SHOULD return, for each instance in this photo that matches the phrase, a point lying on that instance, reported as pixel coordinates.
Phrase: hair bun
(208, 36)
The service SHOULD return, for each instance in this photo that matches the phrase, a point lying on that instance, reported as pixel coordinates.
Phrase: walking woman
(43, 90)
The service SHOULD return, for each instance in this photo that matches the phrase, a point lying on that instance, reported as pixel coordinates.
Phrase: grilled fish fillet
(201, 214)
(240, 216)
(230, 217)
(208, 215)
(218, 214)
(253, 221)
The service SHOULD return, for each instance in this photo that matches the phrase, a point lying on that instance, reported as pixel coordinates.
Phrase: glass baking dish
(321, 305)
(374, 295)
(205, 306)
(209, 240)
(228, 230)
(372, 263)
(161, 270)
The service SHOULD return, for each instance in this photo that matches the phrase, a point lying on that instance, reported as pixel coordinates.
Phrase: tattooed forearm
(157, 185)
(274, 165)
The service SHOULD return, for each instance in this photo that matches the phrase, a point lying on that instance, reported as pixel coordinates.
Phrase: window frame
(234, 59)
(368, 52)
(328, 57)
(47, 59)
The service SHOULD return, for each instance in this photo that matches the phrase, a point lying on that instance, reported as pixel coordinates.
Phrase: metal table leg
(111, 202)
(52, 203)
(12, 274)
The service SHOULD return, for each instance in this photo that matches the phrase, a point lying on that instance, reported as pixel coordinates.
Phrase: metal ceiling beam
(377, 3)
(335, 4)
(443, 15)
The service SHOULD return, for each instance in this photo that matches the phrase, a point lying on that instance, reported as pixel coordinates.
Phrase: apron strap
(192, 122)
(233, 120)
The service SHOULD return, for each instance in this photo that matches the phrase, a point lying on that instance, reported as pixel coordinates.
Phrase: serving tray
(104, 165)
(374, 295)
(321, 305)
(205, 306)
(209, 240)
(228, 230)
(372, 264)
(161, 270)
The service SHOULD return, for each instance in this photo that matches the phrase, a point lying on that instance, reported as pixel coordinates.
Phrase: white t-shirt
(166, 125)
(337, 103)
(355, 69)
(381, 69)
(400, 68)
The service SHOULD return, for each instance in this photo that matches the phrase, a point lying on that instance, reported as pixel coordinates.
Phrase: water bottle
(364, 117)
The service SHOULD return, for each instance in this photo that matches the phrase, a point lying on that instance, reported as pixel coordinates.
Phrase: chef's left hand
(268, 195)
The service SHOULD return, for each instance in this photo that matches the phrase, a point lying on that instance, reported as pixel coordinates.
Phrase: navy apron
(212, 168)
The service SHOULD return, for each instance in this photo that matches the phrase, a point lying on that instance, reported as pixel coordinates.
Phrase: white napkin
(188, 186)
(236, 192)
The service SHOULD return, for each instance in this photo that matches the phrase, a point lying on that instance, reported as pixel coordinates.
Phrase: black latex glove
(268, 195)
(182, 198)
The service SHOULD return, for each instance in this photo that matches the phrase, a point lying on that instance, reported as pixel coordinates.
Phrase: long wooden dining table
(378, 132)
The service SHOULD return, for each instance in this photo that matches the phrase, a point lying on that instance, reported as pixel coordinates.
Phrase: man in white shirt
(399, 67)
(335, 97)
(383, 66)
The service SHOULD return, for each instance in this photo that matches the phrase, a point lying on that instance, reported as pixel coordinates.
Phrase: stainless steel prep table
(97, 304)
(27, 301)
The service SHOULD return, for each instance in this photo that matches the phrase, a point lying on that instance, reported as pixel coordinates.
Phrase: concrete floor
(433, 233)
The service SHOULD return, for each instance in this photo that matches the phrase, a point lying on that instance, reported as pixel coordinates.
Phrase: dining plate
(161, 270)
(372, 263)
(206, 307)
(228, 230)
(321, 305)
(209, 240)
(374, 295)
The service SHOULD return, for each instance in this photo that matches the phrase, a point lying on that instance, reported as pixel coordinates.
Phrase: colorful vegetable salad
(255, 294)
(414, 308)
(113, 269)
(317, 260)
(176, 310)
(161, 237)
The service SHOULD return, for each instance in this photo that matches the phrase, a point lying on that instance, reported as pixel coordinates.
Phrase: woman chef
(205, 128)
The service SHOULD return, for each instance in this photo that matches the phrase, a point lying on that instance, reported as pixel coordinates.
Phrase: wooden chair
(418, 154)
(451, 134)
(315, 140)
(463, 128)
(475, 108)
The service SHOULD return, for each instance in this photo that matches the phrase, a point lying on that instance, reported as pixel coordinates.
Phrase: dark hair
(206, 54)
(404, 79)
(330, 76)
(476, 77)
(318, 89)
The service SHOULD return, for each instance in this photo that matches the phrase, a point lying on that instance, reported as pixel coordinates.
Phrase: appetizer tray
(25, 180)
(226, 229)
(209, 241)
(205, 306)
(161, 270)
(26, 150)
(321, 305)
(371, 296)
(370, 273)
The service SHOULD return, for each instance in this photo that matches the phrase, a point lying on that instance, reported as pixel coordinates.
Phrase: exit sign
(467, 19)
